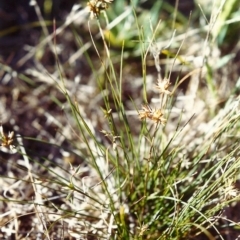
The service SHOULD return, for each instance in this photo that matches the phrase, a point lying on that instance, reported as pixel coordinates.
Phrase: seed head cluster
(6, 140)
(156, 115)
(96, 6)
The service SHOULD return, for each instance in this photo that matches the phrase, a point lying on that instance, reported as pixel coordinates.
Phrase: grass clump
(123, 153)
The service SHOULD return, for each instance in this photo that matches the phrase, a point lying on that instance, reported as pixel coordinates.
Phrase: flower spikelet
(155, 115)
(6, 140)
(163, 85)
(146, 112)
(96, 6)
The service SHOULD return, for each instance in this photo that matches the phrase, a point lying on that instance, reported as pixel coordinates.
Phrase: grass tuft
(126, 135)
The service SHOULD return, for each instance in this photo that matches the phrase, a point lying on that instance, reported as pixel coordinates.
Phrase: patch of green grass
(162, 165)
